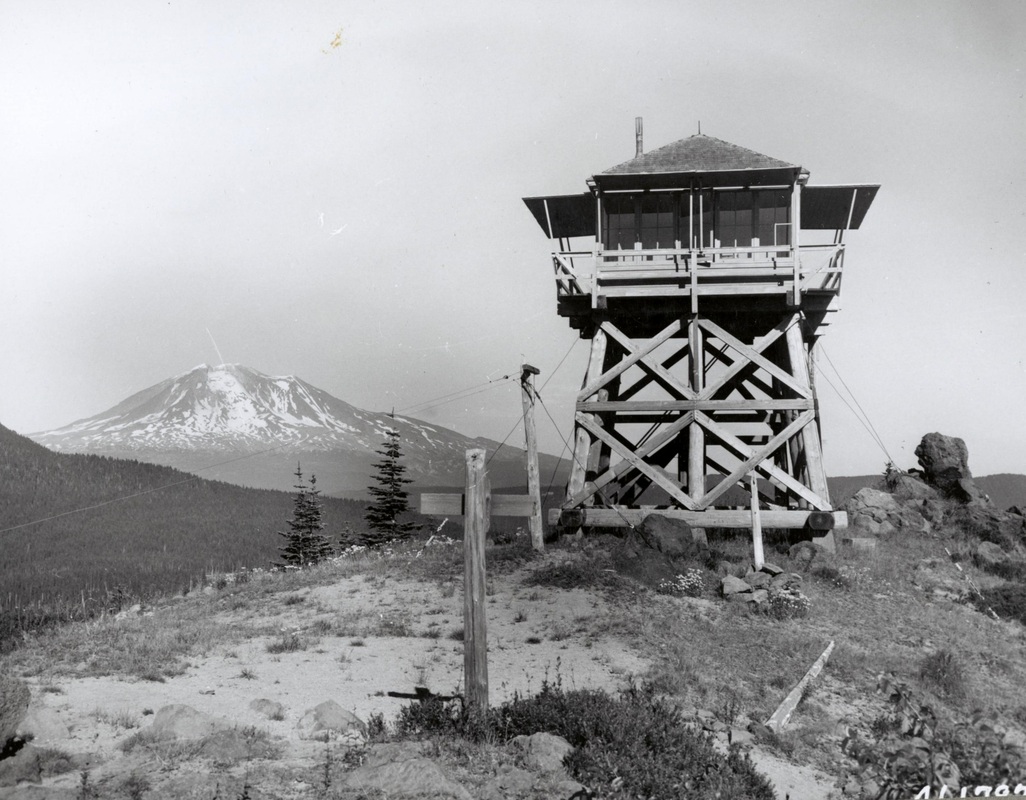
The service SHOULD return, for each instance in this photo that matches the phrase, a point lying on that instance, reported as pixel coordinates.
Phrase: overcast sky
(352, 214)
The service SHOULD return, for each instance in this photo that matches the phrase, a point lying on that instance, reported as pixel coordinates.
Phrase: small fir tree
(304, 543)
(390, 498)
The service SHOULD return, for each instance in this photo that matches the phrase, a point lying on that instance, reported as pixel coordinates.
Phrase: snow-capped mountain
(210, 415)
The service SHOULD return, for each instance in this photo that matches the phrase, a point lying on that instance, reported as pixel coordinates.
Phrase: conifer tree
(390, 498)
(304, 543)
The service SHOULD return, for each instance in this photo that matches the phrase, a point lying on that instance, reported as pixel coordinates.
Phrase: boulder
(543, 752)
(22, 766)
(182, 722)
(234, 745)
(945, 463)
(786, 580)
(759, 597)
(330, 721)
(386, 752)
(269, 708)
(43, 726)
(731, 586)
(771, 569)
(512, 782)
(674, 538)
(989, 556)
(14, 704)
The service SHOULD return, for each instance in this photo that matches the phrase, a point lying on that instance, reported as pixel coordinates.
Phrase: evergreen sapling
(304, 543)
(391, 499)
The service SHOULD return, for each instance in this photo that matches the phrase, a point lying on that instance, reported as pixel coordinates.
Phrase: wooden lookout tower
(703, 274)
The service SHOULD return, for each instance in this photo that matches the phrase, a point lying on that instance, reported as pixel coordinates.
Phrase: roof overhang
(639, 181)
(564, 215)
(836, 207)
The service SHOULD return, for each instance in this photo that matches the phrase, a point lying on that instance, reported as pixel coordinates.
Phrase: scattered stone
(759, 596)
(386, 752)
(758, 580)
(179, 721)
(329, 721)
(880, 514)
(771, 569)
(731, 586)
(412, 777)
(543, 752)
(786, 580)
(22, 766)
(730, 568)
(14, 704)
(269, 708)
(233, 745)
(674, 538)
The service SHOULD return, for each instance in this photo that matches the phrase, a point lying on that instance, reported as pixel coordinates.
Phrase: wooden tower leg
(696, 440)
(582, 438)
(811, 446)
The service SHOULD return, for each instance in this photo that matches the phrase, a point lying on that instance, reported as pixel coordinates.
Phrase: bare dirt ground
(350, 639)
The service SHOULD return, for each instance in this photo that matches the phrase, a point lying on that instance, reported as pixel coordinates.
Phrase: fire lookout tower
(703, 274)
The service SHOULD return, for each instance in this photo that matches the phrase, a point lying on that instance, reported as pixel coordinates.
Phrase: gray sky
(352, 214)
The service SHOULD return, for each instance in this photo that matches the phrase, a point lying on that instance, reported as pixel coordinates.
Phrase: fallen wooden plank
(783, 713)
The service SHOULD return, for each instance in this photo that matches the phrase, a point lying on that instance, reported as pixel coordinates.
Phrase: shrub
(288, 642)
(634, 743)
(788, 605)
(943, 671)
(1008, 601)
(909, 748)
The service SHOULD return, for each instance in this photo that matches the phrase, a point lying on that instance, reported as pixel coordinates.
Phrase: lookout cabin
(702, 272)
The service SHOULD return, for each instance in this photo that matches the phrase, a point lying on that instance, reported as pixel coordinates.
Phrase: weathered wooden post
(475, 633)
(758, 554)
(533, 481)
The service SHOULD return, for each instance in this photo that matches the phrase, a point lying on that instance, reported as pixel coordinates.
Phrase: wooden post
(758, 554)
(475, 634)
(696, 443)
(533, 479)
(783, 713)
(810, 435)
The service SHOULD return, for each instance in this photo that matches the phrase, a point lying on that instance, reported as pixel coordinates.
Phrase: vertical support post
(582, 440)
(475, 634)
(796, 224)
(759, 557)
(530, 434)
(696, 443)
(809, 436)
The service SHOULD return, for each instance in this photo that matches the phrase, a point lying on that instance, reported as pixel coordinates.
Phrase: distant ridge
(212, 414)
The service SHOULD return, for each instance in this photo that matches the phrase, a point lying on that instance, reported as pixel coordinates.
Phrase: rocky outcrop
(945, 463)
(880, 513)
(402, 770)
(543, 752)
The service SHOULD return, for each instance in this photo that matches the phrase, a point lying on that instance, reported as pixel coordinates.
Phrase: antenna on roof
(638, 143)
(699, 127)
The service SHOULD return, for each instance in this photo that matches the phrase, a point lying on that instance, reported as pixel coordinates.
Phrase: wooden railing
(713, 271)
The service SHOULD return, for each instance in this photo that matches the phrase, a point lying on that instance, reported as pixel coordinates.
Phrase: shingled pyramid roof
(698, 153)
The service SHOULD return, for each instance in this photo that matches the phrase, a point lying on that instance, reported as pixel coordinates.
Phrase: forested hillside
(145, 528)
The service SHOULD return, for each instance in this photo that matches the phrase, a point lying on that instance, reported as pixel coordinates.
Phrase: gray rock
(23, 766)
(945, 463)
(674, 538)
(907, 486)
(804, 553)
(990, 556)
(385, 752)
(233, 745)
(43, 726)
(759, 596)
(543, 752)
(513, 782)
(14, 704)
(328, 721)
(412, 777)
(182, 722)
(786, 580)
(758, 580)
(731, 586)
(771, 569)
(269, 708)
(880, 514)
